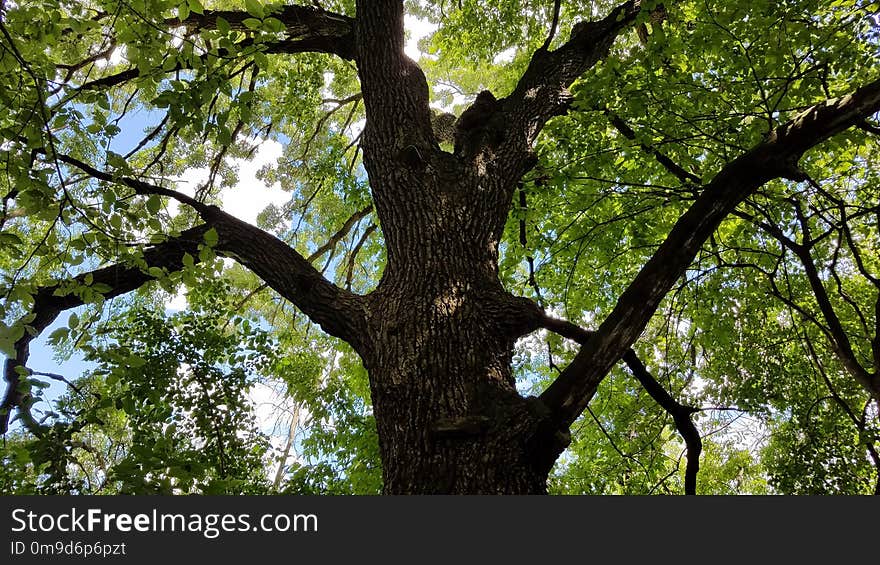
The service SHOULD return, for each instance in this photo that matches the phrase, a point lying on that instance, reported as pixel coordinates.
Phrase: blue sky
(43, 360)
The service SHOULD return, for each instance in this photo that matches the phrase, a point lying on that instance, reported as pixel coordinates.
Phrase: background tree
(688, 189)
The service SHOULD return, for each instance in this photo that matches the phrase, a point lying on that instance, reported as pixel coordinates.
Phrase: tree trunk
(440, 326)
(448, 414)
(441, 334)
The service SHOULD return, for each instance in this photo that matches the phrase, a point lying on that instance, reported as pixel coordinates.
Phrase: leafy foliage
(747, 337)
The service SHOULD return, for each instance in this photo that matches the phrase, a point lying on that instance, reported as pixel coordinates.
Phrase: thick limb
(776, 157)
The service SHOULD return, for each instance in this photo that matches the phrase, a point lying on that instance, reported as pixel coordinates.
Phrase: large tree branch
(777, 156)
(397, 141)
(283, 46)
(542, 91)
(840, 342)
(834, 330)
(50, 301)
(308, 28)
(339, 312)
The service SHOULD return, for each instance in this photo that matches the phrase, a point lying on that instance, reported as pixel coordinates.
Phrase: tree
(694, 182)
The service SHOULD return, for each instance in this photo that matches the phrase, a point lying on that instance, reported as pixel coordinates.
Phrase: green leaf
(135, 361)
(206, 254)
(211, 237)
(154, 204)
(223, 26)
(8, 238)
(252, 23)
(165, 99)
(254, 8)
(274, 25)
(196, 6)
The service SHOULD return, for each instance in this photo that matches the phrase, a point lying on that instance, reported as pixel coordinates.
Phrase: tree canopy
(689, 224)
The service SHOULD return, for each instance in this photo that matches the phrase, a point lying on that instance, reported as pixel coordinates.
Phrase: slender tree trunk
(288, 446)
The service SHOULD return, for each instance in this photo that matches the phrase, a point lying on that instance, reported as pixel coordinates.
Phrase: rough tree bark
(437, 334)
(441, 326)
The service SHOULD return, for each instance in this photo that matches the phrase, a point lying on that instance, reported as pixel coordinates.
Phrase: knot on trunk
(460, 427)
